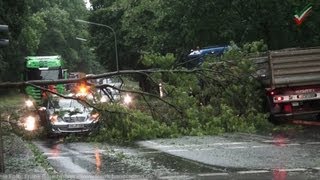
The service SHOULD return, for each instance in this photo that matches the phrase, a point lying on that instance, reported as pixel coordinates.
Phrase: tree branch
(71, 97)
(141, 93)
(6, 85)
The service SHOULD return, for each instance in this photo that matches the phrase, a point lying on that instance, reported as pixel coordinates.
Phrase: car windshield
(65, 104)
(36, 74)
(50, 74)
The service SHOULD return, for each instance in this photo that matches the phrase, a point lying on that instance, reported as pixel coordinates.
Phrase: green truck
(43, 68)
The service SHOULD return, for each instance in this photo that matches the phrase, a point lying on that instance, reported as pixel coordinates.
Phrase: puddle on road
(149, 164)
(160, 163)
(105, 165)
(177, 164)
(141, 161)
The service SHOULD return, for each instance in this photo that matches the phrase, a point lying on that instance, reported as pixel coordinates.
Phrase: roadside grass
(41, 160)
(11, 103)
(11, 100)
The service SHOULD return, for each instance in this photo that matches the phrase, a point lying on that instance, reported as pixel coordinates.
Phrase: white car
(70, 116)
(109, 94)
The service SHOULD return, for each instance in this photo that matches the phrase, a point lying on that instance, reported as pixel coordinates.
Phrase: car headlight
(127, 99)
(30, 123)
(53, 118)
(94, 117)
(42, 109)
(103, 99)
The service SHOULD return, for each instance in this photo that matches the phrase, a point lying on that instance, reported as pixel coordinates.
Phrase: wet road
(290, 155)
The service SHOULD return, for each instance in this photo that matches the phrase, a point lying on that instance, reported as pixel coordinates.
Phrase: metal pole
(1, 147)
(115, 47)
(114, 33)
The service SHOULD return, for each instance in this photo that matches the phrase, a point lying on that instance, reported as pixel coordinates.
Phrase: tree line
(155, 34)
(176, 26)
(39, 27)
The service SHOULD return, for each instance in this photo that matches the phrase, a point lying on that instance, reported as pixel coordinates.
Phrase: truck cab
(42, 68)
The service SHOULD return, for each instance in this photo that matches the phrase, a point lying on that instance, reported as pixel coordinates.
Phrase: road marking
(236, 147)
(174, 177)
(205, 149)
(199, 145)
(92, 151)
(165, 146)
(215, 148)
(151, 142)
(291, 170)
(313, 143)
(213, 174)
(293, 144)
(57, 157)
(275, 141)
(177, 150)
(253, 172)
(261, 146)
(230, 143)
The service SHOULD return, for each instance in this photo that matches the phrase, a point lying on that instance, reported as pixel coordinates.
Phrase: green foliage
(30, 36)
(255, 47)
(156, 60)
(129, 125)
(221, 97)
(224, 97)
(38, 27)
(174, 26)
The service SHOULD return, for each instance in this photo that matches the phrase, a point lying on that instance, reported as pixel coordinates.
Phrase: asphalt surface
(283, 155)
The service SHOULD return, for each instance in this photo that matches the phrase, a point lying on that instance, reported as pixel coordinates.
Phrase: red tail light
(287, 108)
(279, 98)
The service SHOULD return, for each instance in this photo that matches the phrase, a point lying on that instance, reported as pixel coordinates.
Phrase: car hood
(67, 112)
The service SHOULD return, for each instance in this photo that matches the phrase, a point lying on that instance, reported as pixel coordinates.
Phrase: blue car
(197, 57)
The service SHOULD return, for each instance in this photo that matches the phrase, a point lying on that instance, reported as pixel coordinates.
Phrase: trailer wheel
(274, 120)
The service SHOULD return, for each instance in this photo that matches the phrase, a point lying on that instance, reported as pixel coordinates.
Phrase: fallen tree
(215, 98)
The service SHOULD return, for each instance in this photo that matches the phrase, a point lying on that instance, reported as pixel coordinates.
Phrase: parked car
(70, 116)
(109, 94)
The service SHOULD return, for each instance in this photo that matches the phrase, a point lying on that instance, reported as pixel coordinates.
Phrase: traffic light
(4, 42)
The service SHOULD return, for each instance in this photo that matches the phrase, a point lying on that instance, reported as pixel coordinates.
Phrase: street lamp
(114, 33)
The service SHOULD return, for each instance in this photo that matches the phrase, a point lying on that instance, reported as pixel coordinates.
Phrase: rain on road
(231, 156)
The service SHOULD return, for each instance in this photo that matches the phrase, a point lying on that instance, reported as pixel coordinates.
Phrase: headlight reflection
(29, 103)
(30, 123)
(127, 99)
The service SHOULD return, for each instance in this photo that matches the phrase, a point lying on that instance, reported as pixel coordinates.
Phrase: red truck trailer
(291, 78)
